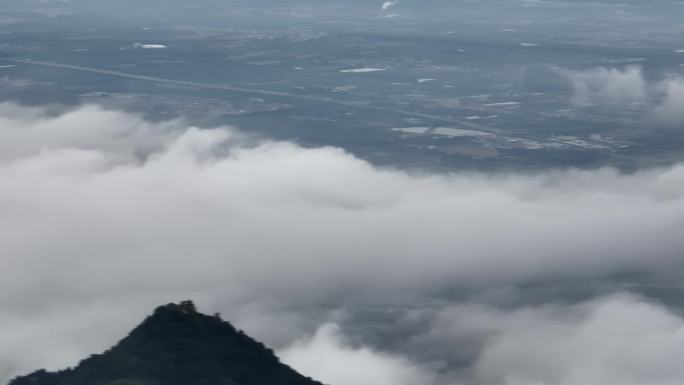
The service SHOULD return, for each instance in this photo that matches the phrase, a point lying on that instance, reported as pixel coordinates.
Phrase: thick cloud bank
(326, 358)
(103, 215)
(617, 340)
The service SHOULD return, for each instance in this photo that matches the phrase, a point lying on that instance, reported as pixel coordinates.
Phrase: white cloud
(671, 109)
(613, 341)
(328, 359)
(619, 87)
(149, 46)
(608, 85)
(389, 4)
(26, 131)
(102, 210)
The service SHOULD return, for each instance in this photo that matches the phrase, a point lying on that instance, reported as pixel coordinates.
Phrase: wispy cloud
(326, 357)
(389, 4)
(625, 86)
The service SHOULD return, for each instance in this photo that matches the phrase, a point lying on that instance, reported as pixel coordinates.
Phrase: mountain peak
(177, 345)
(186, 307)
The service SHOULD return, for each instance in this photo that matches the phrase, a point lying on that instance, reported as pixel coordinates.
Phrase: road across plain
(256, 91)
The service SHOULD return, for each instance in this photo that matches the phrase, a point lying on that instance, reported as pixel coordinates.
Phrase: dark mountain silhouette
(178, 346)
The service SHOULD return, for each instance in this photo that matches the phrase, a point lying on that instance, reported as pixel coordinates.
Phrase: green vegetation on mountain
(177, 345)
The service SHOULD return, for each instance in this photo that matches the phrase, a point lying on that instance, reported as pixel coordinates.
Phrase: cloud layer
(671, 109)
(609, 85)
(615, 340)
(623, 86)
(611, 341)
(389, 4)
(326, 358)
(103, 215)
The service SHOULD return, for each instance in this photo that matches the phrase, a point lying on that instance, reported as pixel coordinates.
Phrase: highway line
(255, 91)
